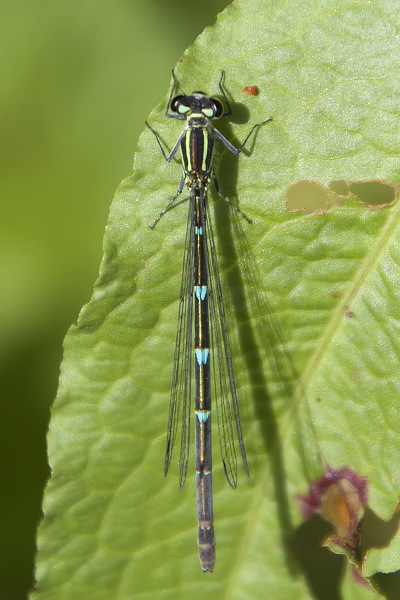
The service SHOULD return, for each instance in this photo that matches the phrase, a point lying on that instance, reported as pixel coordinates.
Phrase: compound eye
(177, 104)
(217, 107)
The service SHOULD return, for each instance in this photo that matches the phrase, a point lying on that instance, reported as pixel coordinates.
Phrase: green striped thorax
(197, 145)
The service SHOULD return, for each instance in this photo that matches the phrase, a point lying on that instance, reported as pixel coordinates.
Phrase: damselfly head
(197, 103)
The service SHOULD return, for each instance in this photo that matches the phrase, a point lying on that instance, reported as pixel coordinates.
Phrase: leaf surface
(312, 302)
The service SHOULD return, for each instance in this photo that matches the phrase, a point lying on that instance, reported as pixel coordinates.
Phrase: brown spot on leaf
(314, 198)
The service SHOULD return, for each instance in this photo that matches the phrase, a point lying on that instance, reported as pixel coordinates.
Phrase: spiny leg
(251, 131)
(229, 111)
(162, 213)
(221, 195)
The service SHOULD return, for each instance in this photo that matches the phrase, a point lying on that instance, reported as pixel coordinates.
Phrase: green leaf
(312, 302)
(383, 560)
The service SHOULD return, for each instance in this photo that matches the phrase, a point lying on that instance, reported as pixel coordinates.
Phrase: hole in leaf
(340, 187)
(374, 193)
(314, 198)
(308, 196)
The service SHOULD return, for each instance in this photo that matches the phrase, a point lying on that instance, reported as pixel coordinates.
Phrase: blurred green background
(78, 80)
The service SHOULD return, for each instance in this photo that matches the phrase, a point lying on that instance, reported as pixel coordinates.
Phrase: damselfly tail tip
(211, 570)
(207, 559)
(206, 546)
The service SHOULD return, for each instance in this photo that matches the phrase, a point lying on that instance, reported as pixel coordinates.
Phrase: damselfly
(201, 293)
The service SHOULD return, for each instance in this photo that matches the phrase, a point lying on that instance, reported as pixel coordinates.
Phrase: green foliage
(313, 304)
